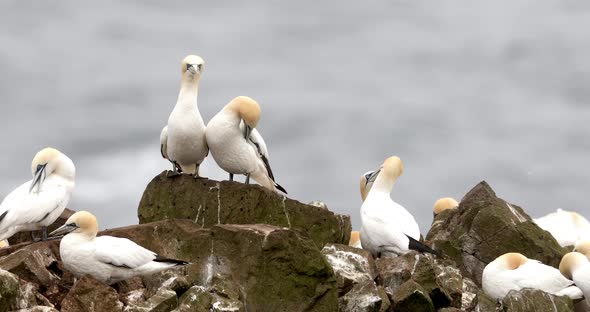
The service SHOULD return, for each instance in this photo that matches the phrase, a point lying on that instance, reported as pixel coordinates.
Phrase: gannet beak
(194, 69)
(371, 176)
(247, 132)
(38, 178)
(64, 229)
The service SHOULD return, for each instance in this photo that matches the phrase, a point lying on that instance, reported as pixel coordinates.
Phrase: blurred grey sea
(462, 91)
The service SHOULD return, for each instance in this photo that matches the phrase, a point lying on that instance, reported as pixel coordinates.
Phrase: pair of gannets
(108, 259)
(39, 202)
(235, 144)
(567, 227)
(513, 271)
(387, 227)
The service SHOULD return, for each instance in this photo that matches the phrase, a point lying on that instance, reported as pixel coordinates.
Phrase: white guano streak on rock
(285, 211)
(218, 306)
(218, 187)
(466, 298)
(516, 213)
(417, 258)
(198, 213)
(344, 263)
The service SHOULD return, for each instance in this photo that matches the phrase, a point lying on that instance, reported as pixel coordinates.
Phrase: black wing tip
(280, 188)
(174, 261)
(418, 246)
(3, 215)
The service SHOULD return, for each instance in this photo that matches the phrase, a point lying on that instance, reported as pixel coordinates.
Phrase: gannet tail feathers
(573, 292)
(418, 246)
(280, 188)
(168, 260)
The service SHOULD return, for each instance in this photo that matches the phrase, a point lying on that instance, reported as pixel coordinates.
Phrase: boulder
(90, 295)
(364, 297)
(410, 297)
(536, 300)
(469, 295)
(484, 227)
(208, 202)
(200, 299)
(174, 280)
(351, 265)
(485, 303)
(35, 263)
(163, 301)
(9, 289)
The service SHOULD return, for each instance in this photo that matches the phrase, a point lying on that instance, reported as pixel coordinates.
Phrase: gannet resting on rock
(38, 203)
(583, 247)
(182, 142)
(108, 259)
(515, 271)
(443, 204)
(567, 227)
(355, 239)
(235, 144)
(576, 266)
(387, 227)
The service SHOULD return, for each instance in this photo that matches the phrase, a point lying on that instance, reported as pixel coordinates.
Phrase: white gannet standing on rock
(236, 145)
(513, 271)
(38, 203)
(387, 227)
(183, 142)
(576, 266)
(443, 204)
(108, 259)
(567, 227)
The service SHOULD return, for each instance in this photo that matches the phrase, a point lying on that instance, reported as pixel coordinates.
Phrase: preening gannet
(443, 204)
(183, 142)
(355, 239)
(583, 247)
(108, 259)
(387, 227)
(515, 271)
(38, 203)
(576, 267)
(567, 227)
(235, 144)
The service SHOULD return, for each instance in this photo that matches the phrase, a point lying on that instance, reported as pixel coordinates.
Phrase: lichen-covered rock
(364, 297)
(164, 300)
(8, 291)
(173, 279)
(485, 303)
(484, 227)
(351, 265)
(32, 264)
(410, 297)
(90, 295)
(393, 272)
(200, 299)
(536, 300)
(208, 202)
(469, 295)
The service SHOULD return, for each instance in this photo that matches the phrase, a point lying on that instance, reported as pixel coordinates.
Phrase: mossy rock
(209, 202)
(536, 300)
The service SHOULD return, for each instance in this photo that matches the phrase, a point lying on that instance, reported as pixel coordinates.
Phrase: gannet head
(80, 222)
(510, 261)
(355, 237)
(444, 204)
(365, 184)
(583, 247)
(247, 109)
(192, 67)
(49, 161)
(570, 262)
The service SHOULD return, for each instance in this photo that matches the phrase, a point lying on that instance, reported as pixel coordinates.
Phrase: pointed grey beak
(64, 229)
(247, 131)
(371, 176)
(194, 69)
(38, 178)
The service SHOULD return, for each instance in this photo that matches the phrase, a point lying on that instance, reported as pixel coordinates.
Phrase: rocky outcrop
(208, 203)
(484, 227)
(90, 295)
(535, 300)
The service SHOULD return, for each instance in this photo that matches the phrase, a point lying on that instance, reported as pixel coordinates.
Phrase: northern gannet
(365, 185)
(355, 239)
(583, 247)
(38, 203)
(183, 142)
(513, 271)
(576, 267)
(567, 227)
(236, 145)
(387, 227)
(443, 204)
(108, 259)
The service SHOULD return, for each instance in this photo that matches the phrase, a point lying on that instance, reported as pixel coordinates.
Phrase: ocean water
(461, 91)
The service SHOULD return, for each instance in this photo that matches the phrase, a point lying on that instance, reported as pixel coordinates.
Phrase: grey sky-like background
(462, 91)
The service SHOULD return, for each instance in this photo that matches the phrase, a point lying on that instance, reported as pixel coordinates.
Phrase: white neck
(66, 168)
(189, 90)
(384, 183)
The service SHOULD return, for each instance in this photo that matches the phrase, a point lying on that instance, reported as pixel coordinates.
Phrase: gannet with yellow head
(38, 203)
(514, 271)
(108, 259)
(182, 141)
(576, 267)
(583, 247)
(387, 227)
(237, 146)
(443, 204)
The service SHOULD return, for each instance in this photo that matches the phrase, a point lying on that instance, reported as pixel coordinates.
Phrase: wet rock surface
(209, 202)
